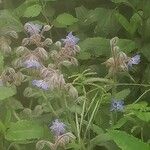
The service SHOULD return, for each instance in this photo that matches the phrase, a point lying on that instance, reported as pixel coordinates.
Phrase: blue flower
(58, 128)
(134, 60)
(32, 63)
(70, 40)
(117, 105)
(41, 84)
(32, 28)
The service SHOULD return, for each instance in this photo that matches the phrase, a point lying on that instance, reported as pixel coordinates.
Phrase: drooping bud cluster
(36, 37)
(67, 51)
(119, 60)
(46, 78)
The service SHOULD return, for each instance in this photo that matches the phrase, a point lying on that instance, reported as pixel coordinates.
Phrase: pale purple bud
(32, 28)
(117, 105)
(70, 40)
(40, 84)
(58, 128)
(134, 60)
(31, 63)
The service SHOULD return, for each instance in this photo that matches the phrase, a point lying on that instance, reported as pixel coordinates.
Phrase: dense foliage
(74, 74)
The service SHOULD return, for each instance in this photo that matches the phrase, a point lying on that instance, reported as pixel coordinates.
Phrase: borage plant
(58, 111)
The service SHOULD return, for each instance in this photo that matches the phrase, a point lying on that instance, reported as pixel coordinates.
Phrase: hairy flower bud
(58, 44)
(46, 28)
(21, 50)
(5, 48)
(13, 34)
(25, 41)
(41, 53)
(114, 41)
(47, 42)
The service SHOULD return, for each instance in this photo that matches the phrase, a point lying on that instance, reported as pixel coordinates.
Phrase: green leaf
(122, 94)
(123, 21)
(24, 130)
(6, 92)
(81, 13)
(127, 45)
(127, 142)
(99, 140)
(145, 50)
(33, 11)
(2, 127)
(107, 24)
(95, 46)
(84, 55)
(137, 106)
(9, 21)
(145, 116)
(135, 22)
(66, 19)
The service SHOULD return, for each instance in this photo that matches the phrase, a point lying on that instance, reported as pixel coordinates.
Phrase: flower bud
(25, 41)
(113, 41)
(58, 44)
(48, 42)
(41, 52)
(21, 50)
(77, 48)
(46, 28)
(66, 63)
(5, 48)
(13, 34)
(72, 91)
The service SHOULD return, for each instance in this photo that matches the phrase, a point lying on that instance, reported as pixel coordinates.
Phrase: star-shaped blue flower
(70, 40)
(31, 63)
(117, 105)
(134, 60)
(41, 84)
(58, 128)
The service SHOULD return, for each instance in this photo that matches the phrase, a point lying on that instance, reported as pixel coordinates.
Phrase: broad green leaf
(123, 21)
(99, 140)
(145, 116)
(9, 21)
(33, 11)
(145, 50)
(107, 24)
(24, 130)
(6, 92)
(84, 55)
(66, 19)
(122, 94)
(81, 13)
(2, 127)
(137, 106)
(135, 22)
(147, 30)
(127, 45)
(95, 46)
(120, 123)
(126, 141)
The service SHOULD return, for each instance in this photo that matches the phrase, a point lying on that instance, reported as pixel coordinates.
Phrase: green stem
(141, 96)
(83, 109)
(49, 104)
